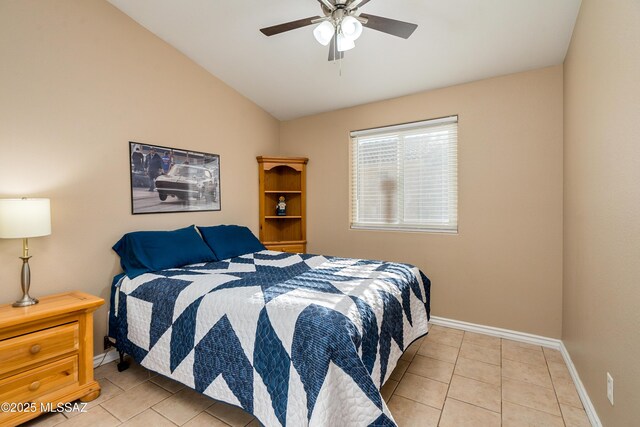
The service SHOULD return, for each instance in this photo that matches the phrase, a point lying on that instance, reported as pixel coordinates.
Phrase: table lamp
(22, 219)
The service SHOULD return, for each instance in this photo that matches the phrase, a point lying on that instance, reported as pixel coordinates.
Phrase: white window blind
(405, 177)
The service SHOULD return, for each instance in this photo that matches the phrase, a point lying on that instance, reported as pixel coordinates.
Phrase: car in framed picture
(166, 179)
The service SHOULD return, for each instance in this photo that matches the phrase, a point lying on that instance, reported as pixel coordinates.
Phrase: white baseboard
(106, 357)
(582, 392)
(553, 343)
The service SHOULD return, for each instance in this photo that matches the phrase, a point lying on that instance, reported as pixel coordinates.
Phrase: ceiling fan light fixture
(345, 43)
(351, 28)
(324, 32)
(341, 24)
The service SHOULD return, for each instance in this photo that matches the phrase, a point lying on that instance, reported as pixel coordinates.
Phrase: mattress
(294, 339)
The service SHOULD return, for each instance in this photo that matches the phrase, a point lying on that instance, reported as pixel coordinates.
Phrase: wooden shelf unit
(283, 176)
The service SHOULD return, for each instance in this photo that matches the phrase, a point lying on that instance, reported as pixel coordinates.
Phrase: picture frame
(168, 180)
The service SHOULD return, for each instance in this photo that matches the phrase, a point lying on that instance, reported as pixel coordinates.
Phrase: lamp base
(25, 301)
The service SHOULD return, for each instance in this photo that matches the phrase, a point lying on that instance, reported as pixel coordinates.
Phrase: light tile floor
(449, 378)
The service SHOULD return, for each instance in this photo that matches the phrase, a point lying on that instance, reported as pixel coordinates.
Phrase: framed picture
(165, 179)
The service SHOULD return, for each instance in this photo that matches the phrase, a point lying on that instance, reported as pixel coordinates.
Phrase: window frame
(398, 128)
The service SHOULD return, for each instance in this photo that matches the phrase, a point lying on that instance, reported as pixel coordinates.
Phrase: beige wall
(601, 310)
(78, 79)
(504, 268)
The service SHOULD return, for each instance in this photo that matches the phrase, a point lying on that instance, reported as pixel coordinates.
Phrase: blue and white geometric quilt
(295, 339)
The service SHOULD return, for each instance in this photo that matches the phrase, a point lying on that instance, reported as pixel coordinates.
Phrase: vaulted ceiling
(289, 76)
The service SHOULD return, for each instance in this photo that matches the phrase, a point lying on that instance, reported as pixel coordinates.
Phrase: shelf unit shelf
(283, 192)
(283, 176)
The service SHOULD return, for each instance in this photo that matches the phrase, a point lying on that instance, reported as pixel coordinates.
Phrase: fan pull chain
(337, 54)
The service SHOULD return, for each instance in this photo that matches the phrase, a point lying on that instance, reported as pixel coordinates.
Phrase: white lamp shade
(351, 28)
(345, 43)
(324, 32)
(23, 218)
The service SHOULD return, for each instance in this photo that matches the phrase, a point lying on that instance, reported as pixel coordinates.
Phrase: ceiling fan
(342, 24)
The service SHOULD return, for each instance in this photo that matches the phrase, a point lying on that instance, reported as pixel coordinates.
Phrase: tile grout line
(555, 393)
(501, 388)
(535, 409)
(124, 391)
(151, 407)
(455, 364)
(476, 406)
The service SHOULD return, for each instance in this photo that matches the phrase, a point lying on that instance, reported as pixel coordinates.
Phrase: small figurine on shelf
(281, 207)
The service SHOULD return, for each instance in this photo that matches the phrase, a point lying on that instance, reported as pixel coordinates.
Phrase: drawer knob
(34, 386)
(35, 349)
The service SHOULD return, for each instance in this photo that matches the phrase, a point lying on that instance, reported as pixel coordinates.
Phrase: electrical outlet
(610, 388)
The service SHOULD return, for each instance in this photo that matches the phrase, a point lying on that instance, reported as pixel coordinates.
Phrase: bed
(294, 339)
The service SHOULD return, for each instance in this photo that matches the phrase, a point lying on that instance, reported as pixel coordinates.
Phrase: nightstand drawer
(24, 350)
(31, 385)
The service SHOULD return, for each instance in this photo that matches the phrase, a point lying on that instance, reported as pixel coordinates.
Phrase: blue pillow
(145, 251)
(228, 241)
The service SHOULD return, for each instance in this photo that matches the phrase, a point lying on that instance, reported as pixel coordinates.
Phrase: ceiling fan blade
(328, 4)
(354, 4)
(389, 26)
(333, 51)
(288, 26)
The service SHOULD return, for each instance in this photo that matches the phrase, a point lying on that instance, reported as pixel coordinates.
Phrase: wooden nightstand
(46, 354)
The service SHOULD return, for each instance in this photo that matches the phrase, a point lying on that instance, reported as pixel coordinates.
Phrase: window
(405, 177)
